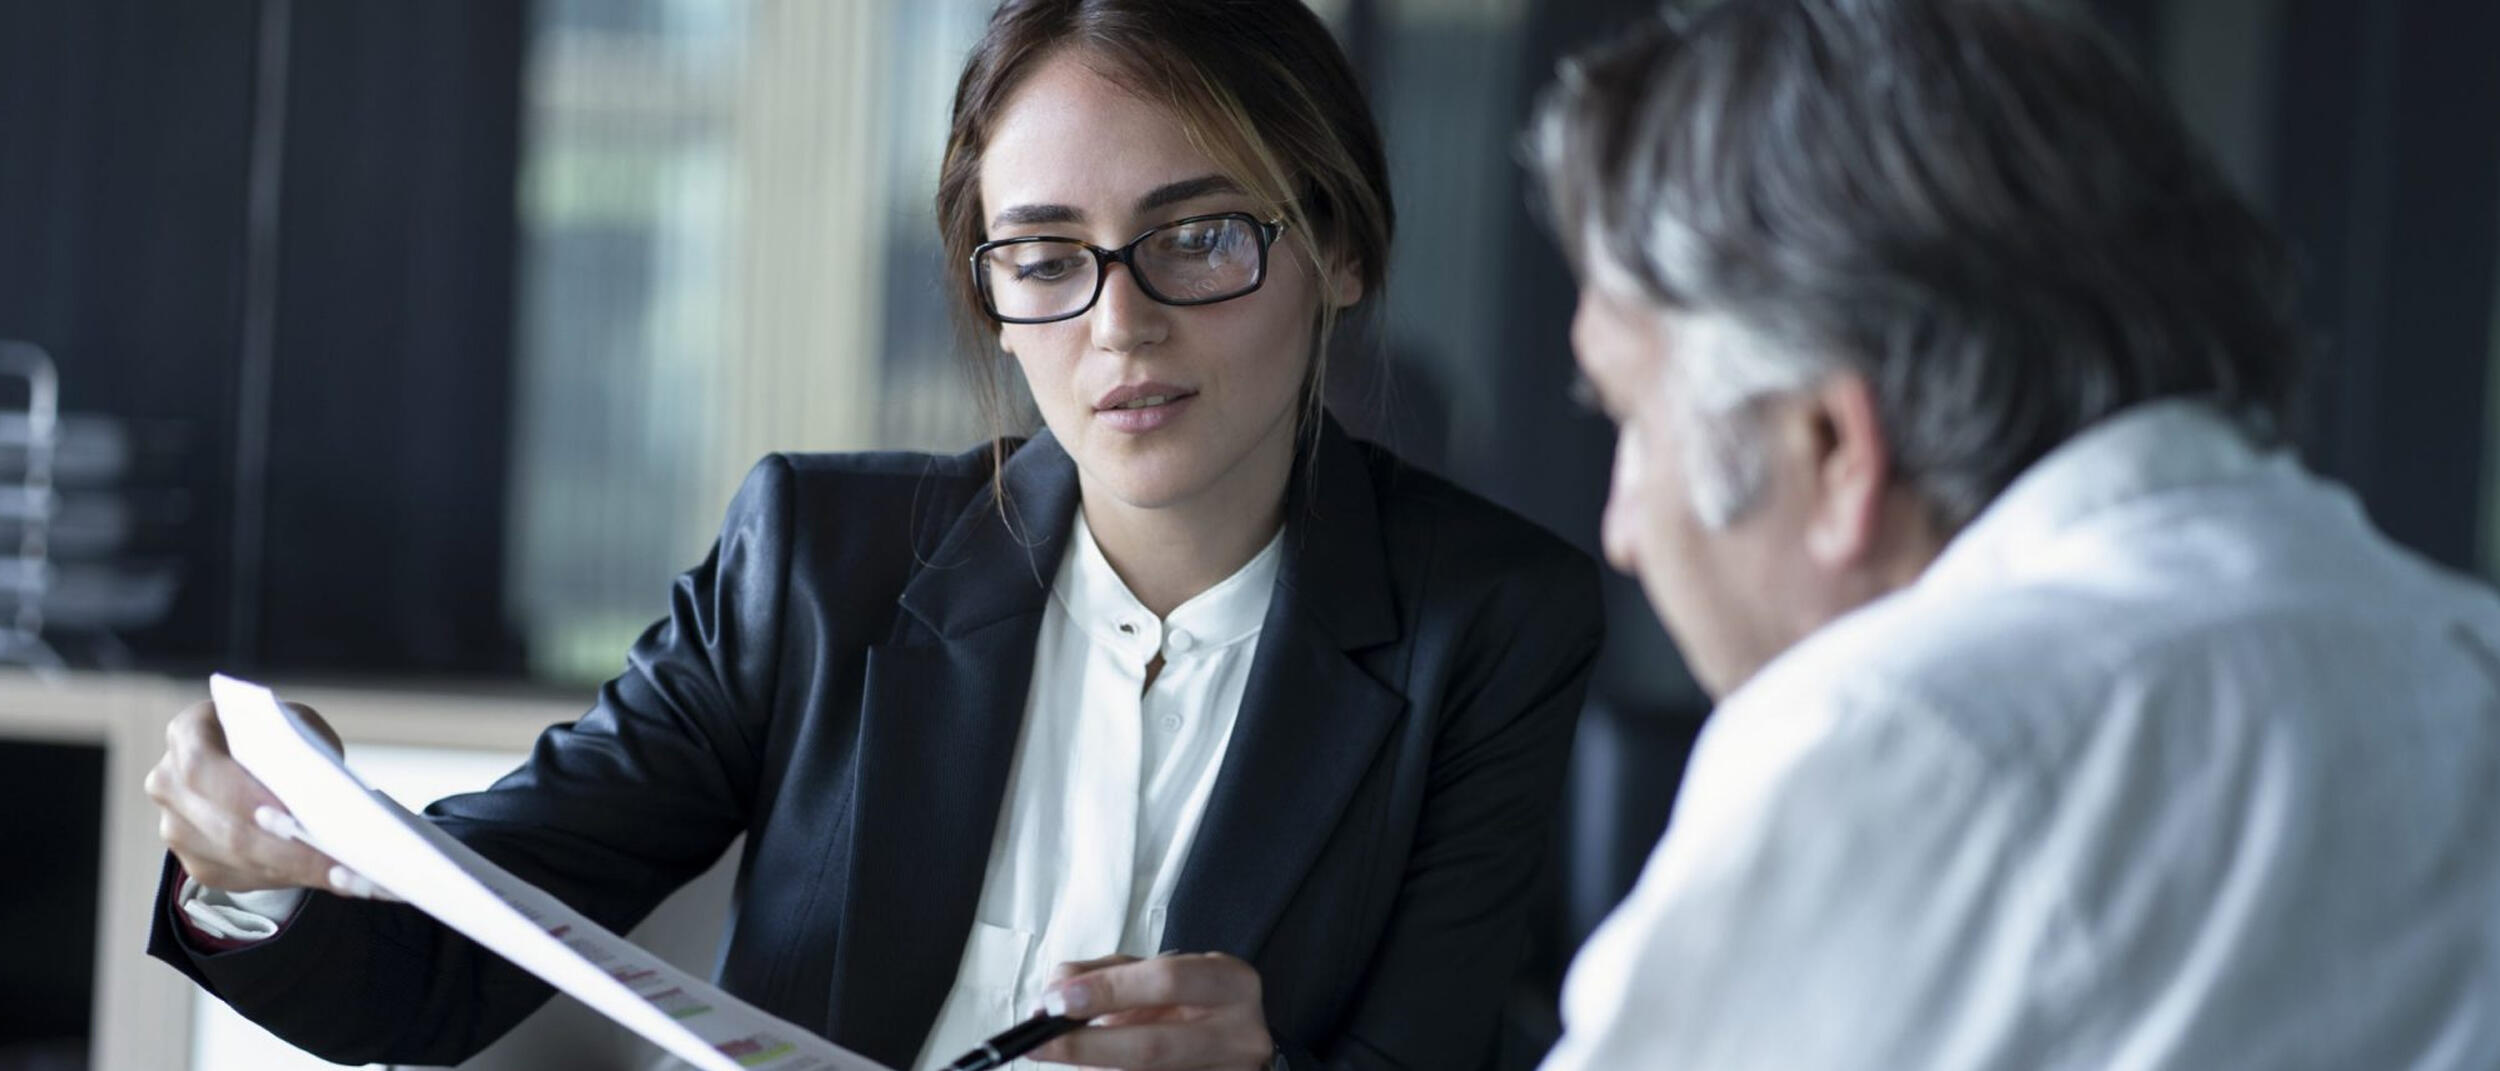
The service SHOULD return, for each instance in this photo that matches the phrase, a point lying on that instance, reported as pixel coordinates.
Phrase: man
(2065, 721)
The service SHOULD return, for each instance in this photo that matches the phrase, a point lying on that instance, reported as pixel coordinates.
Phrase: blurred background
(407, 348)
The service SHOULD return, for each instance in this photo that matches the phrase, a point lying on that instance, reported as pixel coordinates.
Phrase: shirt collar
(1101, 603)
(2139, 452)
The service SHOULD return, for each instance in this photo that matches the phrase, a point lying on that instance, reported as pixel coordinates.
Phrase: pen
(1017, 1040)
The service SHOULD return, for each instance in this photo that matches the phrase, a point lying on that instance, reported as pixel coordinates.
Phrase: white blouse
(1110, 778)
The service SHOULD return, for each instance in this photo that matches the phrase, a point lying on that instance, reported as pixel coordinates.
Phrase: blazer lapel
(1311, 718)
(941, 710)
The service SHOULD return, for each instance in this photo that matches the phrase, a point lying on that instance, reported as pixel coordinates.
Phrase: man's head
(1849, 267)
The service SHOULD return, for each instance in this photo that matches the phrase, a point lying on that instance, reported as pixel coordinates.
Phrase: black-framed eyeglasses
(1195, 261)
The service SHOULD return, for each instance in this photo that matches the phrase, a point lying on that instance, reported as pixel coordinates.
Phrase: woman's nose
(1124, 319)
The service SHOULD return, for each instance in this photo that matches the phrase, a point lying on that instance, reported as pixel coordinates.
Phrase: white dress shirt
(2169, 761)
(1110, 778)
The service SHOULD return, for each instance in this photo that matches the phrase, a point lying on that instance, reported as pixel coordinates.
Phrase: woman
(1189, 671)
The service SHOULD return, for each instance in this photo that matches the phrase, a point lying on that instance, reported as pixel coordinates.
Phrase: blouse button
(1182, 641)
(1171, 723)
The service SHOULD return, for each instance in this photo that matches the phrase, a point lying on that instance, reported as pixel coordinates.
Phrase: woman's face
(1161, 406)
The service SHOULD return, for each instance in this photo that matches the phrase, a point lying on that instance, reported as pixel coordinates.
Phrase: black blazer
(842, 680)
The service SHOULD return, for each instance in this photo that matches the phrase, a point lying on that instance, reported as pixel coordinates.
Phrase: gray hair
(1978, 205)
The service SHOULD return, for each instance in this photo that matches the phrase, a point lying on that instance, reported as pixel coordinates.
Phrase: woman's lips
(1137, 418)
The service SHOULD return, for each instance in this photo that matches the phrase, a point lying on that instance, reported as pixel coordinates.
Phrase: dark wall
(392, 394)
(124, 132)
(314, 343)
(2388, 182)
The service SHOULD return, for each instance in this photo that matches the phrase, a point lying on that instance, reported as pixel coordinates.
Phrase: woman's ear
(1345, 283)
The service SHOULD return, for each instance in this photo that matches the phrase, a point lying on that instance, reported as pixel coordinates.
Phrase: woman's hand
(227, 829)
(1193, 1012)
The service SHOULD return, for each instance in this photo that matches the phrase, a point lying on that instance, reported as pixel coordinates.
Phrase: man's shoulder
(2007, 674)
(2022, 670)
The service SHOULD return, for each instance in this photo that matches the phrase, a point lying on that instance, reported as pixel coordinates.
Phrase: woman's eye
(1044, 271)
(1194, 239)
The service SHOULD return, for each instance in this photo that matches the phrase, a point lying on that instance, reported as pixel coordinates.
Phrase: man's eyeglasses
(1195, 261)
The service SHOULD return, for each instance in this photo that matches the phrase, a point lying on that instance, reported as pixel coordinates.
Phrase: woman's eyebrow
(1015, 214)
(1172, 193)
(1164, 196)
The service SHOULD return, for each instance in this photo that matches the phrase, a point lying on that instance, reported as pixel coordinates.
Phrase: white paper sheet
(406, 855)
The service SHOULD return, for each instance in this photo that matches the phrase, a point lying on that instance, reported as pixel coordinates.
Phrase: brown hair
(1260, 87)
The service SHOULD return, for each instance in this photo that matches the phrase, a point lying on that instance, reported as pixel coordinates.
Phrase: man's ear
(1851, 467)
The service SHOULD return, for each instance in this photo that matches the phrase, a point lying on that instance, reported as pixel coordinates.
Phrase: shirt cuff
(233, 919)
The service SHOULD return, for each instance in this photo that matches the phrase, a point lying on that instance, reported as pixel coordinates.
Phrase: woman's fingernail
(1064, 1001)
(275, 822)
(349, 883)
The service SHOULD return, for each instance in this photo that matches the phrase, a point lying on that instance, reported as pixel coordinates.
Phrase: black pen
(1019, 1039)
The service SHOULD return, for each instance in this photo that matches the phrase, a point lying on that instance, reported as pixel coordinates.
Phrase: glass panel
(727, 249)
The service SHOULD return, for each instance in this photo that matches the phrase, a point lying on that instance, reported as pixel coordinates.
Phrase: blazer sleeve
(1435, 989)
(610, 814)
